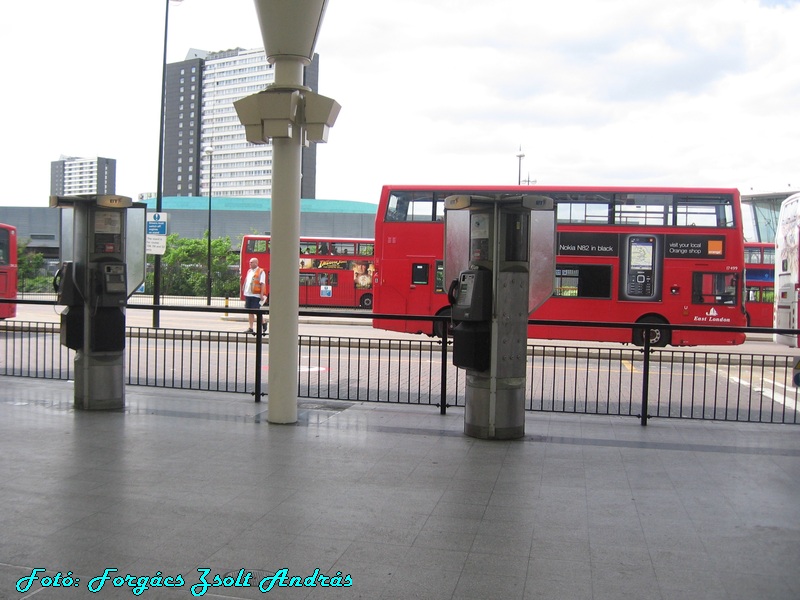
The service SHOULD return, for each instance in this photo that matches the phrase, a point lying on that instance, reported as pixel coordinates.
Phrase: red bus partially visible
(690, 239)
(759, 277)
(333, 271)
(8, 270)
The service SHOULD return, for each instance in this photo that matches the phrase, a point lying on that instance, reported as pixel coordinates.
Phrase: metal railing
(623, 381)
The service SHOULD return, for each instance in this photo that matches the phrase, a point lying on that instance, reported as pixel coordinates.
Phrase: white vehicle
(787, 271)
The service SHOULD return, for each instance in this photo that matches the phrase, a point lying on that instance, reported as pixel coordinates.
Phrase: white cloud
(437, 91)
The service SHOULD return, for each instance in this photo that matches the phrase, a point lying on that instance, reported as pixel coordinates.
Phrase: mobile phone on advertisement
(640, 275)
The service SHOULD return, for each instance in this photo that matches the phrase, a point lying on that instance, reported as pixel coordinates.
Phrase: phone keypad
(640, 284)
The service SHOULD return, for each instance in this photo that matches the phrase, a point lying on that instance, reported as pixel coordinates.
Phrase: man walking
(254, 290)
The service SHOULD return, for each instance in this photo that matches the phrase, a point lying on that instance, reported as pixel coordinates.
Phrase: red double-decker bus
(8, 270)
(624, 255)
(333, 271)
(759, 277)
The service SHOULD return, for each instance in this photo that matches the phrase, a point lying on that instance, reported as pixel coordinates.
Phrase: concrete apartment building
(71, 175)
(199, 115)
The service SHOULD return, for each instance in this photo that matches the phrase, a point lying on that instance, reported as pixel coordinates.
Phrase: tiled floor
(395, 497)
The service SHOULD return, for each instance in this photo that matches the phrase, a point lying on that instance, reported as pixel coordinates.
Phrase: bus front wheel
(659, 336)
(366, 301)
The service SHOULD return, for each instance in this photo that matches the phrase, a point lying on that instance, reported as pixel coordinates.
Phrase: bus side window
(331, 279)
(714, 288)
(419, 274)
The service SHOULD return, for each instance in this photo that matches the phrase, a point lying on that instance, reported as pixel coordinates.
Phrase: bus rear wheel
(366, 301)
(443, 330)
(659, 337)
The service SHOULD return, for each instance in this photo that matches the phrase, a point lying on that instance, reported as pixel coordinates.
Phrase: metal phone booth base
(504, 421)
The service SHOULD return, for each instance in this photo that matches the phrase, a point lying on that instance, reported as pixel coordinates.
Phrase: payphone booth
(500, 257)
(102, 257)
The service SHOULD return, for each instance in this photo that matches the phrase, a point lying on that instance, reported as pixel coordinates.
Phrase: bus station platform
(189, 489)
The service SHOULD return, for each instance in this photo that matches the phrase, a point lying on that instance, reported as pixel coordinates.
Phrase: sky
(618, 92)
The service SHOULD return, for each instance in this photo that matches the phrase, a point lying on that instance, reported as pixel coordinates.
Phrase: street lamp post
(520, 156)
(160, 183)
(210, 154)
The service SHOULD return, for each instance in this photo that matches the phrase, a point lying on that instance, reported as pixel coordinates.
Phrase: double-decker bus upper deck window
(769, 256)
(581, 208)
(650, 210)
(308, 247)
(752, 256)
(439, 208)
(366, 249)
(343, 248)
(413, 206)
(704, 211)
(258, 246)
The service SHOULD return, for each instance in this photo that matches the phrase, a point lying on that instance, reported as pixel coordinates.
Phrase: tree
(31, 274)
(184, 267)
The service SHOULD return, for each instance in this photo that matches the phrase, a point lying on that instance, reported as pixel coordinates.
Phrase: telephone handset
(471, 296)
(58, 279)
(452, 292)
(67, 292)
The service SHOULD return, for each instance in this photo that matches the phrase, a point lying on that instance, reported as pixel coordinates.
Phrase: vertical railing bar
(35, 344)
(203, 343)
(131, 352)
(773, 389)
(645, 375)
(553, 385)
(369, 369)
(402, 377)
(750, 390)
(759, 399)
(574, 379)
(689, 367)
(220, 344)
(354, 358)
(443, 375)
(343, 367)
(236, 369)
(179, 369)
(563, 363)
(605, 381)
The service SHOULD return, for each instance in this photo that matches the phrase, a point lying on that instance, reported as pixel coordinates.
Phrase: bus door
(307, 288)
(421, 285)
